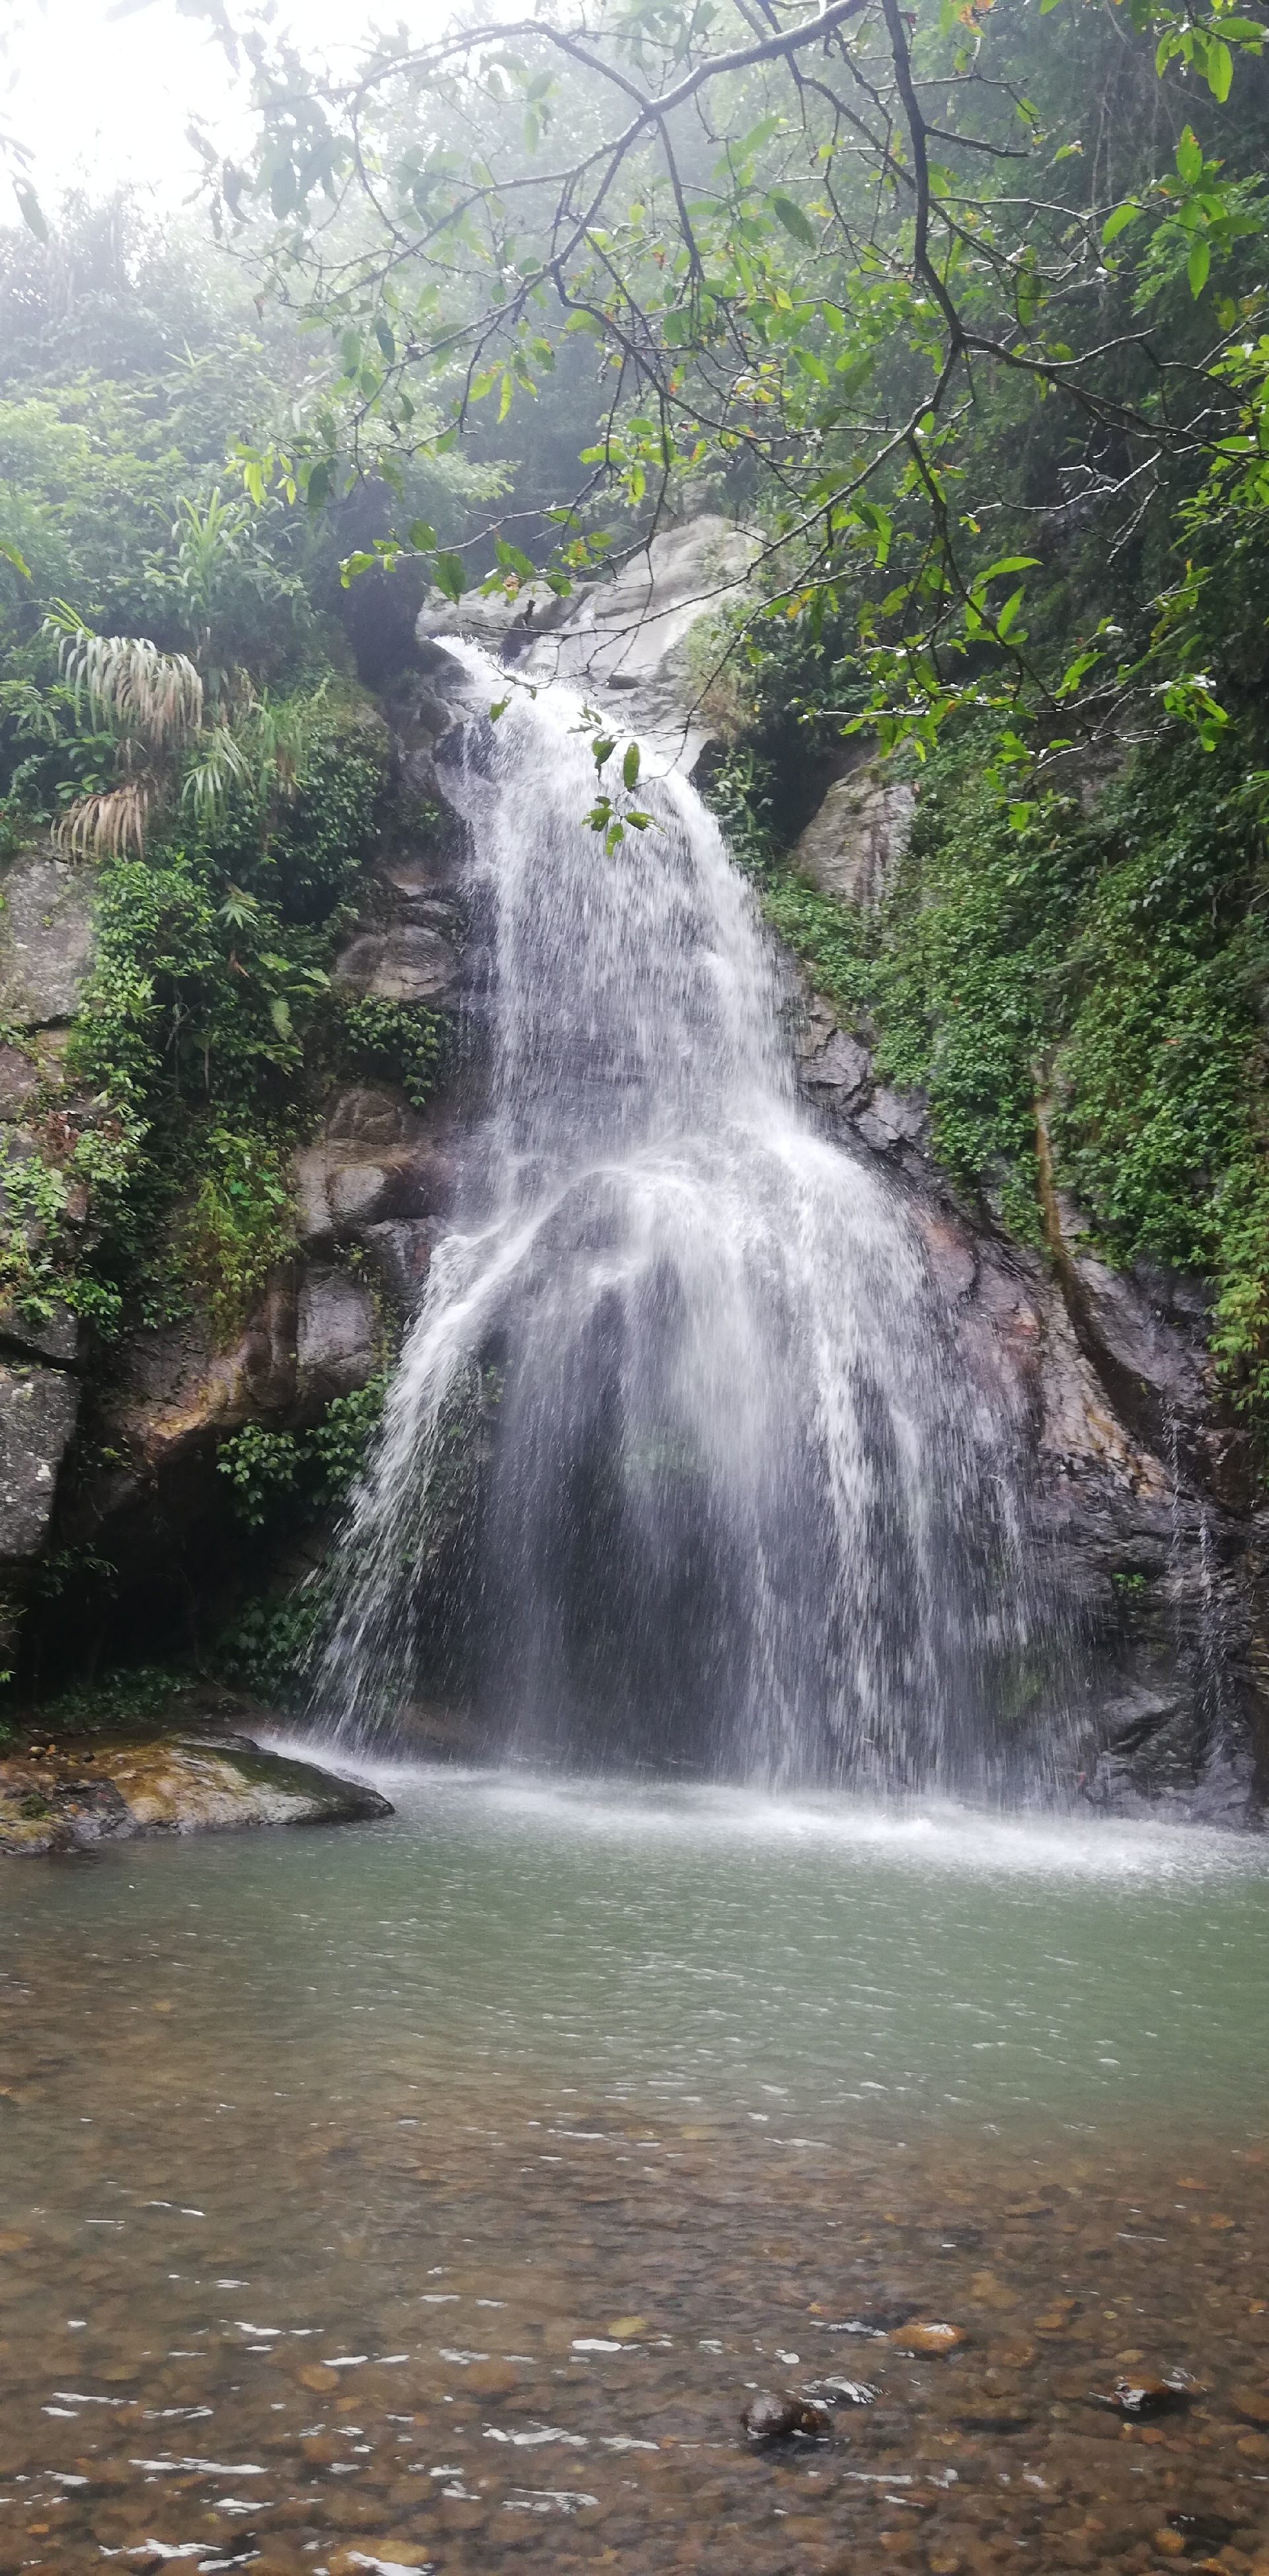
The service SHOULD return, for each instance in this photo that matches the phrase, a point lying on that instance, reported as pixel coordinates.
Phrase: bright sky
(99, 98)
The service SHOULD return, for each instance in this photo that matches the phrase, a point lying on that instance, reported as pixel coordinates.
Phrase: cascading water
(739, 1504)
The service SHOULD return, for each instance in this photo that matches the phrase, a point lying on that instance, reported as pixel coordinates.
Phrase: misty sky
(100, 99)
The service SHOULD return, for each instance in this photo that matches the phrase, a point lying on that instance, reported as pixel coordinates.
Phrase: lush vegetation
(180, 709)
(990, 380)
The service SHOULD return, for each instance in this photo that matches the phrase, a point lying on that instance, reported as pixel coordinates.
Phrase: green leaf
(511, 560)
(1198, 264)
(280, 1014)
(422, 536)
(603, 746)
(386, 341)
(449, 576)
(1220, 68)
(630, 766)
(1116, 223)
(794, 221)
(12, 556)
(1189, 158)
(1009, 612)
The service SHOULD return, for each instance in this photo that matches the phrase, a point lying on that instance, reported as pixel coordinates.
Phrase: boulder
(400, 1253)
(336, 1338)
(358, 1193)
(70, 1798)
(838, 1078)
(37, 1416)
(314, 1225)
(624, 639)
(46, 938)
(175, 1387)
(894, 1119)
(55, 1336)
(371, 1121)
(852, 847)
(407, 962)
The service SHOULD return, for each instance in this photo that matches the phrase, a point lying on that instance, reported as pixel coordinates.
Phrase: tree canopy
(924, 292)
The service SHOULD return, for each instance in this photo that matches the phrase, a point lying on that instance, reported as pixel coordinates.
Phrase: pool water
(435, 2192)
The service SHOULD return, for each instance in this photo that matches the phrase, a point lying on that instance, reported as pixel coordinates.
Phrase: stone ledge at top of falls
(623, 641)
(68, 1798)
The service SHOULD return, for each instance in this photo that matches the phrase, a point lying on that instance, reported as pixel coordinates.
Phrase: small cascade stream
(740, 1506)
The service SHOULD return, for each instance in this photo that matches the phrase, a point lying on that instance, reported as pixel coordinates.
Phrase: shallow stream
(434, 2192)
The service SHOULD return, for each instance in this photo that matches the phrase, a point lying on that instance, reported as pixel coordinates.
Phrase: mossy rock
(68, 1800)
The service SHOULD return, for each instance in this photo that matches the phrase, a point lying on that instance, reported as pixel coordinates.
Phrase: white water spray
(739, 1504)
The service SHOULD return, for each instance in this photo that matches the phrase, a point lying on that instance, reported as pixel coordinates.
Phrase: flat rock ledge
(65, 1799)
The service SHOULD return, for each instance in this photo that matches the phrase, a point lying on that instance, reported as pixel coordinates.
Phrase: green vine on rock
(398, 1041)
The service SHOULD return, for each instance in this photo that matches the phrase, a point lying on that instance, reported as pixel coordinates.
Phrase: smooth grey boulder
(357, 1193)
(37, 1416)
(853, 845)
(46, 938)
(335, 1338)
(623, 640)
(371, 1121)
(407, 963)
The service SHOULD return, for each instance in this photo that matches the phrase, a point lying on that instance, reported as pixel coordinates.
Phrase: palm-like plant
(153, 703)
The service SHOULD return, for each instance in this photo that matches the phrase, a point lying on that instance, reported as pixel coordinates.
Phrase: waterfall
(734, 1501)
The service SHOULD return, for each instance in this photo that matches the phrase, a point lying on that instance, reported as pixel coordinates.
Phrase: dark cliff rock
(1144, 1509)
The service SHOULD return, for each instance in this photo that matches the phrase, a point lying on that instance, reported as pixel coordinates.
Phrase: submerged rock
(67, 1799)
(920, 2336)
(1141, 2397)
(771, 2418)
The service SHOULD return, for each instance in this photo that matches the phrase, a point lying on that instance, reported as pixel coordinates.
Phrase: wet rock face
(853, 845)
(46, 938)
(624, 639)
(408, 963)
(71, 1799)
(1142, 1499)
(334, 1336)
(37, 1416)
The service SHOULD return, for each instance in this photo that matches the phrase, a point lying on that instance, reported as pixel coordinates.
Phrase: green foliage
(241, 1224)
(142, 1695)
(298, 1475)
(282, 1481)
(1105, 970)
(399, 1042)
(271, 1643)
